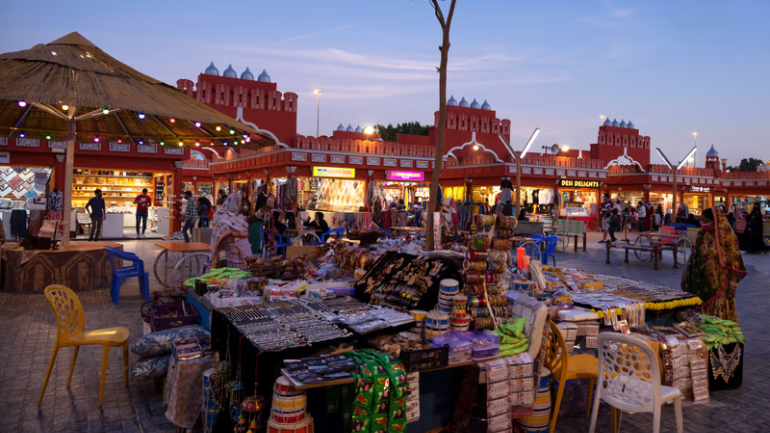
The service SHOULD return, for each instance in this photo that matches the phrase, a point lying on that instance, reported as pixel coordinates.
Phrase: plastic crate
(417, 360)
(160, 323)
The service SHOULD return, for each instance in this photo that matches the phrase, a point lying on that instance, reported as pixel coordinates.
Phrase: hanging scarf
(715, 262)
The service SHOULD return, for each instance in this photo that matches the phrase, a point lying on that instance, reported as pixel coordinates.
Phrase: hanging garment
(55, 200)
(19, 223)
(536, 196)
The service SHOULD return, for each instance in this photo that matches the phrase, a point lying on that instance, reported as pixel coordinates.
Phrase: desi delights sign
(409, 176)
(339, 172)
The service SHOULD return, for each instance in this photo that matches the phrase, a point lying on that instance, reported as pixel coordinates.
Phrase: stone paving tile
(28, 334)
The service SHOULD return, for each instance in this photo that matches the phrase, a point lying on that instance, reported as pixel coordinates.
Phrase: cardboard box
(522, 398)
(523, 384)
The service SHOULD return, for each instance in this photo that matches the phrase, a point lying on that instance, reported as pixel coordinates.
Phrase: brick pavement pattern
(29, 328)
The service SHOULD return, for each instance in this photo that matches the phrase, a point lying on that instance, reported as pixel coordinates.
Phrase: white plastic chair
(629, 380)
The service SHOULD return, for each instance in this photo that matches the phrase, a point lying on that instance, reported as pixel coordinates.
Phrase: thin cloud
(310, 35)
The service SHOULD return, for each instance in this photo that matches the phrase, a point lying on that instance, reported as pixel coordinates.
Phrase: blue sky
(673, 67)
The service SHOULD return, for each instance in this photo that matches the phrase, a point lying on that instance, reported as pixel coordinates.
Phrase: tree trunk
(441, 127)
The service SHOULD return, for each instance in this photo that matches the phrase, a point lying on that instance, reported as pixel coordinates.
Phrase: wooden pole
(674, 210)
(69, 164)
(518, 186)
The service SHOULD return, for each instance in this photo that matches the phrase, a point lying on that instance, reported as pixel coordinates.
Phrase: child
(615, 224)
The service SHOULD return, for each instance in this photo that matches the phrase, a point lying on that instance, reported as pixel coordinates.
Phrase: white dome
(452, 101)
(341, 127)
(349, 128)
(247, 75)
(463, 102)
(211, 70)
(230, 72)
(475, 104)
(486, 106)
(263, 77)
(712, 153)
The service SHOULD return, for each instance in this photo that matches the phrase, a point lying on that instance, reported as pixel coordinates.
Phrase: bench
(655, 250)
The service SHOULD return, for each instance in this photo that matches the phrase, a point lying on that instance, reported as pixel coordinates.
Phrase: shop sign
(348, 173)
(27, 142)
(5, 157)
(119, 147)
(57, 144)
(576, 183)
(409, 176)
(90, 146)
(173, 151)
(3, 141)
(700, 189)
(147, 148)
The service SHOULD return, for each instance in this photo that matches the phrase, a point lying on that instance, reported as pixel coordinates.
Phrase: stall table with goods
(375, 338)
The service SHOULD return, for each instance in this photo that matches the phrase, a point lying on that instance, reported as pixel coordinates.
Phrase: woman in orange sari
(715, 267)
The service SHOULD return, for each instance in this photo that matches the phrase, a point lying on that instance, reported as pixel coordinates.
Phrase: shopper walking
(715, 267)
(203, 212)
(606, 209)
(752, 235)
(190, 214)
(658, 217)
(641, 215)
(96, 208)
(615, 224)
(142, 204)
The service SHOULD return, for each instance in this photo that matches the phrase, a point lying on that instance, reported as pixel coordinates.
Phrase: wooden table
(82, 266)
(175, 247)
(413, 230)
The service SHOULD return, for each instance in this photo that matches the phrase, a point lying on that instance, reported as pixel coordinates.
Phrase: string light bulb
(141, 116)
(22, 135)
(197, 124)
(232, 131)
(106, 111)
(142, 142)
(180, 143)
(172, 120)
(197, 144)
(65, 107)
(219, 128)
(96, 139)
(120, 140)
(48, 136)
(22, 104)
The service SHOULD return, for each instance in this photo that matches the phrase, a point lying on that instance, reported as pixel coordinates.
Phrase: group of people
(616, 216)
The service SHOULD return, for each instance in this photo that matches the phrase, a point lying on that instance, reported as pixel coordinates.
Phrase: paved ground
(28, 332)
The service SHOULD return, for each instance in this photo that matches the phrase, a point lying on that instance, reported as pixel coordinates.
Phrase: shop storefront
(579, 198)
(408, 186)
(661, 199)
(698, 199)
(333, 189)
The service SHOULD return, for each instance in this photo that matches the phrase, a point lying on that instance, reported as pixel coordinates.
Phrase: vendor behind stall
(319, 224)
(715, 267)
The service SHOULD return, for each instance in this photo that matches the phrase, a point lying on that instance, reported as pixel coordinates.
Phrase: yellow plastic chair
(564, 368)
(69, 324)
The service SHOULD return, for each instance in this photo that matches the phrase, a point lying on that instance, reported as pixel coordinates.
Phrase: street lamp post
(318, 114)
(674, 170)
(518, 159)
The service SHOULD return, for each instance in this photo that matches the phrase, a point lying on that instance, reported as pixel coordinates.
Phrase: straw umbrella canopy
(72, 88)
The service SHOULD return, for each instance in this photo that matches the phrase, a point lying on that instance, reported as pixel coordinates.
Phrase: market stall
(366, 337)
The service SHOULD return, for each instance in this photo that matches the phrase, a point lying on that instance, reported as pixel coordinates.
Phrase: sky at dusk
(672, 67)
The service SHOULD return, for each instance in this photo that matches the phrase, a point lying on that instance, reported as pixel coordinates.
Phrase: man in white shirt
(641, 214)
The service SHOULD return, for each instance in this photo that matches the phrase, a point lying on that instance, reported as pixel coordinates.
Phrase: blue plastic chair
(283, 241)
(550, 249)
(387, 234)
(339, 232)
(136, 269)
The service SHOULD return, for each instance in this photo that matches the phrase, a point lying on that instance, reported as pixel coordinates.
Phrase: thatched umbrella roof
(73, 71)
